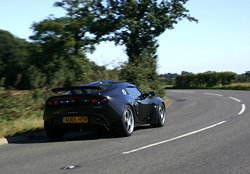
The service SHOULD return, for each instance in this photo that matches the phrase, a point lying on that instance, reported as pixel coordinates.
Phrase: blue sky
(220, 41)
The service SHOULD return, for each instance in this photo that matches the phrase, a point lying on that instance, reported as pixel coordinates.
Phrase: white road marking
(190, 92)
(213, 94)
(235, 99)
(243, 108)
(172, 139)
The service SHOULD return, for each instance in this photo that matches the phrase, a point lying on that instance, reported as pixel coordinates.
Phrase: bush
(21, 111)
(204, 80)
(142, 73)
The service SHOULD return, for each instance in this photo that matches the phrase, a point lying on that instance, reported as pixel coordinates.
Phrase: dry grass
(240, 84)
(166, 101)
(20, 125)
(20, 92)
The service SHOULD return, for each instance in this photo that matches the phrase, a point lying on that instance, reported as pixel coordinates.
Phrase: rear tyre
(161, 116)
(128, 123)
(52, 132)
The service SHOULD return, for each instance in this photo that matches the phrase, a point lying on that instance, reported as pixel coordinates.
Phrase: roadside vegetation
(235, 86)
(204, 80)
(207, 80)
(21, 111)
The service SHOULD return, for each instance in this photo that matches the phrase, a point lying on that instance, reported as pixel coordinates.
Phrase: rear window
(76, 90)
(83, 91)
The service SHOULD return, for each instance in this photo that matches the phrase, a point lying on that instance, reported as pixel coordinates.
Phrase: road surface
(207, 131)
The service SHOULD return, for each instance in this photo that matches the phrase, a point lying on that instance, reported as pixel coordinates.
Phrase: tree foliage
(135, 24)
(14, 53)
(57, 54)
(44, 63)
(142, 72)
(63, 43)
(241, 78)
(201, 80)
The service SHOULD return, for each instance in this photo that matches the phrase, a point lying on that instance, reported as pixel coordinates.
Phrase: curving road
(207, 131)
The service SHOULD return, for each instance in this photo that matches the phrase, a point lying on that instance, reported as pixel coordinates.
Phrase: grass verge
(21, 111)
(166, 101)
(20, 126)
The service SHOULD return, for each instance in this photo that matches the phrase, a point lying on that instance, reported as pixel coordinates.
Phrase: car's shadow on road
(40, 137)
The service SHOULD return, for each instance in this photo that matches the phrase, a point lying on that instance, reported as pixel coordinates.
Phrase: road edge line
(243, 108)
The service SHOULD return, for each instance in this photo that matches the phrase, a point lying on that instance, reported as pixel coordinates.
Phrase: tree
(185, 81)
(142, 72)
(67, 33)
(14, 53)
(226, 78)
(63, 42)
(133, 23)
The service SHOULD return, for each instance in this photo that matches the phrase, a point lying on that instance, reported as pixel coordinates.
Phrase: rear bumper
(104, 116)
(93, 120)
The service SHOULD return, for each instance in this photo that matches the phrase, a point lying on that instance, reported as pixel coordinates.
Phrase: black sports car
(116, 106)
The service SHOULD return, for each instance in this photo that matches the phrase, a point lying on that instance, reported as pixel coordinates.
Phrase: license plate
(79, 119)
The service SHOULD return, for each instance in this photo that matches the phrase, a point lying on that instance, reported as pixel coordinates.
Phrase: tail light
(103, 100)
(74, 100)
(93, 101)
(52, 102)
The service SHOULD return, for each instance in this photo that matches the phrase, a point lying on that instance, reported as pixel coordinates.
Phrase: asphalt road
(206, 132)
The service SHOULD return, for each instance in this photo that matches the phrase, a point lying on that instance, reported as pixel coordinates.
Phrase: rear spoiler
(72, 88)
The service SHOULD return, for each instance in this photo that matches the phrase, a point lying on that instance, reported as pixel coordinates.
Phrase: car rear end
(78, 110)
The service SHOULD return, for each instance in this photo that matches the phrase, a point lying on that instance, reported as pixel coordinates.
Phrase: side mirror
(145, 95)
(151, 94)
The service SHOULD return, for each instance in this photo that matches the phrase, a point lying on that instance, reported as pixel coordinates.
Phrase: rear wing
(73, 89)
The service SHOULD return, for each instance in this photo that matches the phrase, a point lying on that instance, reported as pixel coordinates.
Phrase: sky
(219, 42)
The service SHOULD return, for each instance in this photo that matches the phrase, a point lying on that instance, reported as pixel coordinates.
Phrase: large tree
(136, 24)
(133, 23)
